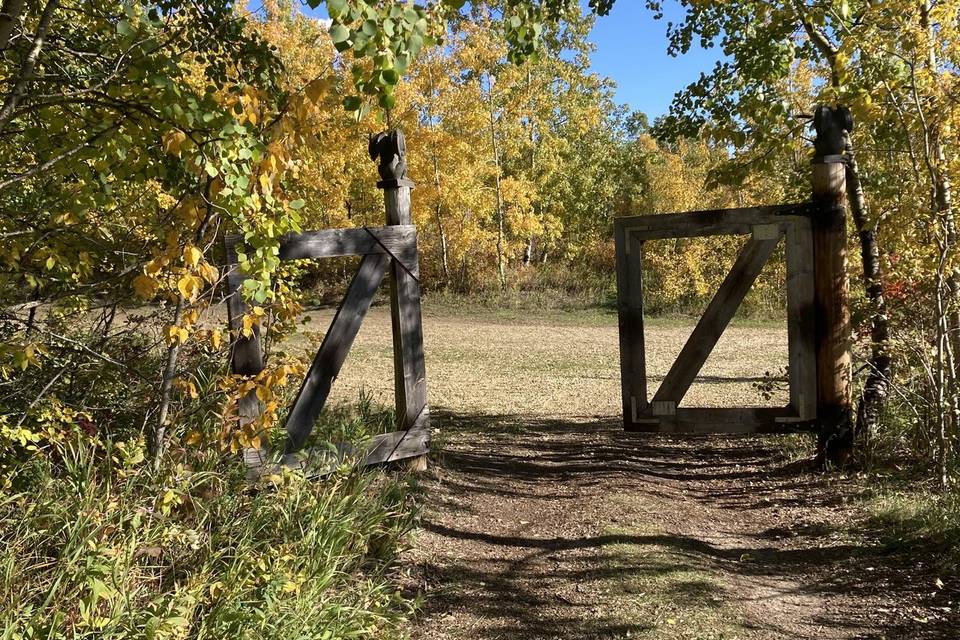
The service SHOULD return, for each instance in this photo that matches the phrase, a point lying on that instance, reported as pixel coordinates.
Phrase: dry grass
(552, 363)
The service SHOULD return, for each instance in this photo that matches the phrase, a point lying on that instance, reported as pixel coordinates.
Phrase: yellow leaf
(316, 89)
(190, 287)
(191, 256)
(176, 335)
(248, 322)
(264, 182)
(173, 140)
(209, 272)
(145, 286)
(153, 267)
(215, 339)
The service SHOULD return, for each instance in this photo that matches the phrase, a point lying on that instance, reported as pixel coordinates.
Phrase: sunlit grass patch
(93, 548)
(667, 594)
(918, 518)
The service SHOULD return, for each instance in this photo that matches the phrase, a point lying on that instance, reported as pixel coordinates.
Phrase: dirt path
(560, 529)
(543, 519)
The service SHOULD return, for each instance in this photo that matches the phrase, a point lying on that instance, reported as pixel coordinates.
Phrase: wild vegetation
(134, 135)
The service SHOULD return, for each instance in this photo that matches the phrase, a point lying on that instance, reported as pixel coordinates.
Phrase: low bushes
(98, 543)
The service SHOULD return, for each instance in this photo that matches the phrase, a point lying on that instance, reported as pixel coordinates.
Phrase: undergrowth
(98, 543)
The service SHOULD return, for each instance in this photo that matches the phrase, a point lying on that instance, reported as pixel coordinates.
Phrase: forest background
(134, 135)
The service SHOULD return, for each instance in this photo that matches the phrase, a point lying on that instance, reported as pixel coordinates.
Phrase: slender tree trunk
(528, 252)
(438, 212)
(948, 281)
(501, 268)
(9, 15)
(25, 74)
(166, 388)
(876, 388)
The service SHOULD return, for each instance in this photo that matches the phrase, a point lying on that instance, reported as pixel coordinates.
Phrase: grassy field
(554, 363)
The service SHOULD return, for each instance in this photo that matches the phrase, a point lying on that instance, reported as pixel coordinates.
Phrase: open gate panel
(766, 227)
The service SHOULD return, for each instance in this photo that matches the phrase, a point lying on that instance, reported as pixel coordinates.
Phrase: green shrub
(97, 544)
(917, 518)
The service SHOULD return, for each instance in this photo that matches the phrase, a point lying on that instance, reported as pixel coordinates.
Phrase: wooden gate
(766, 228)
(386, 251)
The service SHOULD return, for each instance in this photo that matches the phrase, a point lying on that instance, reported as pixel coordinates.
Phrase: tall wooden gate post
(831, 286)
(410, 378)
(390, 249)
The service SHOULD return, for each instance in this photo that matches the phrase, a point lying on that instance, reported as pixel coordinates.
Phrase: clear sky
(632, 50)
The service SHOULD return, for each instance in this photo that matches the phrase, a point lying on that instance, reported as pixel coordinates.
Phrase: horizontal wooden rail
(399, 241)
(728, 420)
(710, 222)
(381, 449)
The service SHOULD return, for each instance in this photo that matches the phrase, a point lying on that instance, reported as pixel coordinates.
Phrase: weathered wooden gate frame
(385, 250)
(766, 226)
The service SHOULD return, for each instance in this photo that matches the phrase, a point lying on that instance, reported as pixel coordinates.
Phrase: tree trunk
(948, 281)
(501, 268)
(166, 389)
(438, 212)
(9, 15)
(876, 388)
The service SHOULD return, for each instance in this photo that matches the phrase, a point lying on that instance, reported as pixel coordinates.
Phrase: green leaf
(390, 76)
(352, 103)
(297, 204)
(335, 8)
(388, 101)
(339, 33)
(415, 44)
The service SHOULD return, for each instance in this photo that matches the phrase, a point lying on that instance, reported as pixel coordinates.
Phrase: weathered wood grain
(633, 370)
(733, 420)
(246, 357)
(711, 222)
(801, 319)
(397, 240)
(410, 377)
(833, 333)
(333, 350)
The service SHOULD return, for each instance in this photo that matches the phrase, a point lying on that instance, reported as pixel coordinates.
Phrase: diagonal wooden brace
(714, 321)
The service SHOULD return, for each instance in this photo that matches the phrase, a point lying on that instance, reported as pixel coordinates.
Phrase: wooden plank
(833, 334)
(246, 357)
(381, 449)
(245, 354)
(711, 222)
(333, 350)
(741, 420)
(398, 240)
(633, 375)
(410, 376)
(715, 319)
(801, 319)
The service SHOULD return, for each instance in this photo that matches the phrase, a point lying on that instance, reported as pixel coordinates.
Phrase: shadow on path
(533, 521)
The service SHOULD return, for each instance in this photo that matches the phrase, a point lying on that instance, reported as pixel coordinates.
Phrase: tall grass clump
(97, 543)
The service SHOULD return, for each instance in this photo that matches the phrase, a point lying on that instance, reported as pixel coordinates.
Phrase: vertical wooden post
(831, 289)
(410, 377)
(246, 357)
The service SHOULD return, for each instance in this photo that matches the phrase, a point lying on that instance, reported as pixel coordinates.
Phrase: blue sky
(632, 50)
